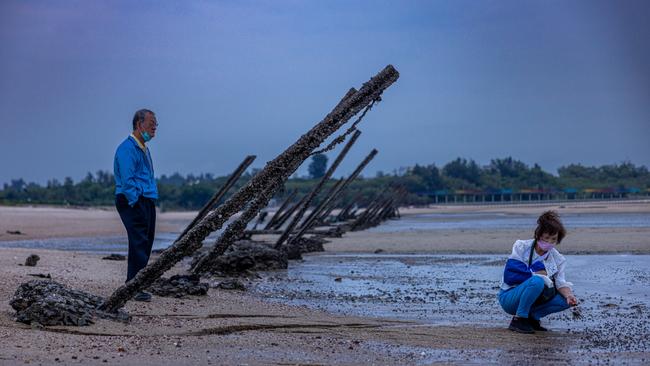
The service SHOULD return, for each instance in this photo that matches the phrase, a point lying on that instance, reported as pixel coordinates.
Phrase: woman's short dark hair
(139, 116)
(549, 223)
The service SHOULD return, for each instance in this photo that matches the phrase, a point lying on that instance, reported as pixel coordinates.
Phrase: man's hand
(542, 272)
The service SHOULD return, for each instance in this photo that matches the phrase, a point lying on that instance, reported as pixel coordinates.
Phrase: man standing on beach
(136, 192)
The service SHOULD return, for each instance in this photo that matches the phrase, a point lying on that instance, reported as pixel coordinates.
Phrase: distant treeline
(423, 182)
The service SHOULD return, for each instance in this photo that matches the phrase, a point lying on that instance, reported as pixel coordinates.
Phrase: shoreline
(41, 222)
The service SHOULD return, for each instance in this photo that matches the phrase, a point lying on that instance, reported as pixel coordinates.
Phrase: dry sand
(55, 222)
(238, 328)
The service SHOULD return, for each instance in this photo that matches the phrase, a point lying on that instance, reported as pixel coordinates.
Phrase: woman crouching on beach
(533, 284)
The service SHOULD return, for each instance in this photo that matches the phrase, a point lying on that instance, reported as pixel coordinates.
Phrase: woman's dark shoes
(535, 324)
(521, 325)
(142, 296)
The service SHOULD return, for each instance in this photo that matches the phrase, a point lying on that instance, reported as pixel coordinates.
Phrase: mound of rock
(311, 244)
(179, 286)
(32, 260)
(231, 284)
(293, 251)
(115, 257)
(245, 256)
(51, 303)
(334, 232)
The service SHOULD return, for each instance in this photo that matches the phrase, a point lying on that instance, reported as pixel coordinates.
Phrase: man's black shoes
(142, 296)
(521, 325)
(534, 323)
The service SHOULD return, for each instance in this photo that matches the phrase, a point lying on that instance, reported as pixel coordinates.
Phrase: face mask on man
(545, 246)
(145, 135)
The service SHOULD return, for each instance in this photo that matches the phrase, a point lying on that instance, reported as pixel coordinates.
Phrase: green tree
(463, 169)
(318, 166)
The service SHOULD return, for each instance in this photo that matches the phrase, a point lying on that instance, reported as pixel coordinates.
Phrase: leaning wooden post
(399, 197)
(317, 189)
(327, 212)
(277, 213)
(309, 221)
(336, 186)
(328, 205)
(318, 210)
(222, 192)
(260, 219)
(287, 215)
(361, 218)
(352, 208)
(287, 162)
(377, 215)
(343, 215)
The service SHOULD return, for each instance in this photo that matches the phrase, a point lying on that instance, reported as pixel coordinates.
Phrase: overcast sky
(547, 82)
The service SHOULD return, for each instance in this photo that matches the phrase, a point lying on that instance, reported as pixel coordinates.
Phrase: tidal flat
(397, 294)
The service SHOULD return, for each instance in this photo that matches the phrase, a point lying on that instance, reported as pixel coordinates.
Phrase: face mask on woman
(545, 246)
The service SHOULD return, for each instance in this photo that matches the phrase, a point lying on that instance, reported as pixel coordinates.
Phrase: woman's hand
(542, 272)
(571, 300)
(568, 295)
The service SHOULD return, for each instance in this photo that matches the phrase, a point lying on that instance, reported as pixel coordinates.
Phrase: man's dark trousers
(140, 224)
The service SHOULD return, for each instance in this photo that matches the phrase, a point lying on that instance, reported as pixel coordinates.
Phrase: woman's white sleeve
(560, 279)
(518, 251)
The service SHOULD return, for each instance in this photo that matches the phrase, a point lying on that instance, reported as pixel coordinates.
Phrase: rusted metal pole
(278, 213)
(219, 195)
(309, 221)
(316, 190)
(274, 173)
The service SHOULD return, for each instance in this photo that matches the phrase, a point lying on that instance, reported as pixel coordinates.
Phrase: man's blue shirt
(133, 170)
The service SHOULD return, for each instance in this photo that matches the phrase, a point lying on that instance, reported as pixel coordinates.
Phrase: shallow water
(469, 221)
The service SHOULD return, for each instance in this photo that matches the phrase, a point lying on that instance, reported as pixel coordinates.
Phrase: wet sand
(245, 328)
